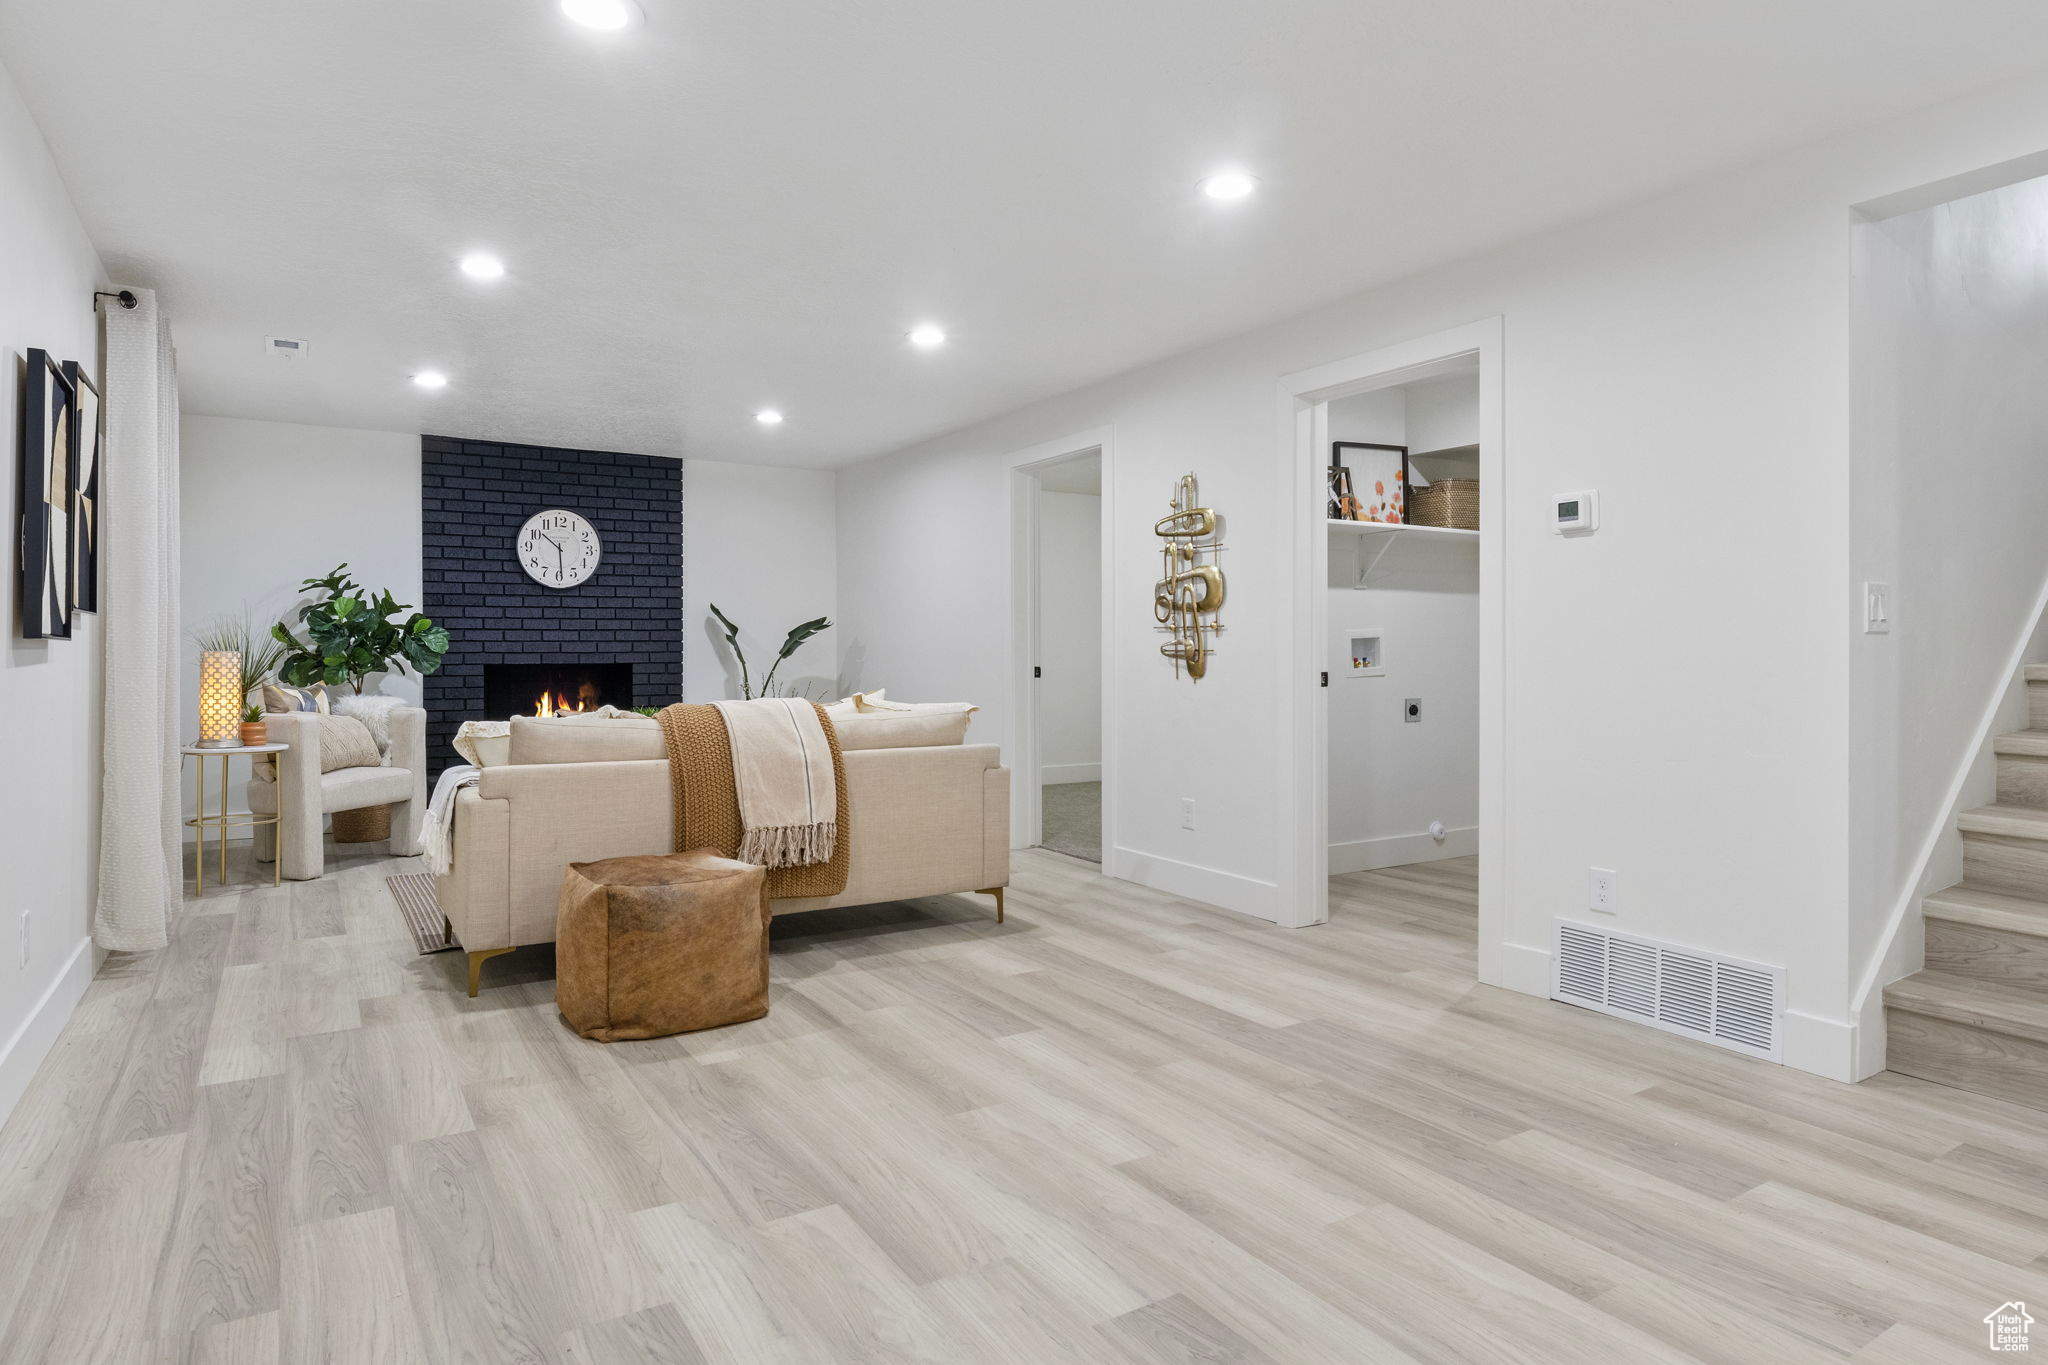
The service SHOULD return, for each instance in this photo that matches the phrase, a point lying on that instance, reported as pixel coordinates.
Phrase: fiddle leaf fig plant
(347, 634)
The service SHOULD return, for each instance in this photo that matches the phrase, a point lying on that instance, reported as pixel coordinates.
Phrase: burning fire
(557, 704)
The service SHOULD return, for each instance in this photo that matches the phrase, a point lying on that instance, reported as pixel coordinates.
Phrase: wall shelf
(1381, 528)
(1375, 538)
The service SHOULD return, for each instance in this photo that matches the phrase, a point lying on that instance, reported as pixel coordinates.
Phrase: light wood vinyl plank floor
(1119, 1128)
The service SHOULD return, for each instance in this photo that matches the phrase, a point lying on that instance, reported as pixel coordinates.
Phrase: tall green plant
(790, 645)
(260, 654)
(349, 634)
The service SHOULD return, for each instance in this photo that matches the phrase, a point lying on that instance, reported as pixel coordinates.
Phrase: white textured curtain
(141, 863)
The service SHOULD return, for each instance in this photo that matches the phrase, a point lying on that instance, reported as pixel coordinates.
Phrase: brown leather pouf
(661, 944)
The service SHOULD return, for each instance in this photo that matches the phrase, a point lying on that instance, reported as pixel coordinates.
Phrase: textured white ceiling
(743, 205)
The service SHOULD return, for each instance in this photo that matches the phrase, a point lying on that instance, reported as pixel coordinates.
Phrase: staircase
(1977, 1017)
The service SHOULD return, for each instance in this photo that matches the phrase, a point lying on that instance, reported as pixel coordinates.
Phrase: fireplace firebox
(551, 689)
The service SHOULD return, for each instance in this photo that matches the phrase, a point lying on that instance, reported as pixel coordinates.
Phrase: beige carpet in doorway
(1072, 817)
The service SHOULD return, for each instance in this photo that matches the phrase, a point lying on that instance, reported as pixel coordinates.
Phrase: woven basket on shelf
(1447, 502)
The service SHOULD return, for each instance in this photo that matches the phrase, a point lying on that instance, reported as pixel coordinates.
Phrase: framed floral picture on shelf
(1379, 474)
(47, 411)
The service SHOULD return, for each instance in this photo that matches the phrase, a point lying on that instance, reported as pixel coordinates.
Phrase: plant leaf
(732, 632)
(799, 634)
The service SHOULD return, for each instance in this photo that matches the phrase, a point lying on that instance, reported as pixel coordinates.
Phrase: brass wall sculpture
(1189, 593)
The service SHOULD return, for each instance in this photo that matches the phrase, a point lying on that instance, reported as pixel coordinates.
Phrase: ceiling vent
(285, 348)
(1732, 1004)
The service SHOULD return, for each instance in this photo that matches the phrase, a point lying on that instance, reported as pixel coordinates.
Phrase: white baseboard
(1052, 774)
(32, 1041)
(1226, 890)
(1516, 967)
(1397, 850)
(1825, 1047)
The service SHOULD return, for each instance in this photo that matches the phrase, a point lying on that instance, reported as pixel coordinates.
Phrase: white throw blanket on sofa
(437, 831)
(782, 774)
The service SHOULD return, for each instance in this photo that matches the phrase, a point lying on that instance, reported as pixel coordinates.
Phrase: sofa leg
(476, 966)
(997, 892)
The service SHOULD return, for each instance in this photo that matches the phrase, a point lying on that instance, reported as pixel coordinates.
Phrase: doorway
(1069, 668)
(1061, 695)
(1307, 398)
(1402, 649)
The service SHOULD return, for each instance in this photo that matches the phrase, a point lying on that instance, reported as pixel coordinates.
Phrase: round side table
(224, 819)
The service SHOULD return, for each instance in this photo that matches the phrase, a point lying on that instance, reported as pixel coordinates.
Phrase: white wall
(49, 689)
(1388, 778)
(266, 505)
(1443, 413)
(1950, 421)
(761, 542)
(758, 540)
(1676, 684)
(1070, 636)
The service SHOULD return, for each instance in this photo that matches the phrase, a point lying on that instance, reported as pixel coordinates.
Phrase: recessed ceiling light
(603, 14)
(928, 335)
(431, 379)
(1229, 185)
(768, 417)
(480, 265)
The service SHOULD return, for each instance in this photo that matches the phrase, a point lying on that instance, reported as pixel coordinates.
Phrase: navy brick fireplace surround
(475, 495)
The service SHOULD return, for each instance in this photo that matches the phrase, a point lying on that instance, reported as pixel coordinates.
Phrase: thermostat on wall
(1576, 512)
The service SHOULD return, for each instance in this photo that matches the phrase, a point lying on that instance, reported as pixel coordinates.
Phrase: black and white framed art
(47, 410)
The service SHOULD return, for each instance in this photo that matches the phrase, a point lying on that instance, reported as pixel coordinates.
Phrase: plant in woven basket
(349, 634)
(797, 635)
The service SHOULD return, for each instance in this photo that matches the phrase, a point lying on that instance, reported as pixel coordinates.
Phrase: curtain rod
(126, 296)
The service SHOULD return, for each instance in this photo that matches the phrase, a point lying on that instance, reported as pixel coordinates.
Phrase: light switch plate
(1877, 608)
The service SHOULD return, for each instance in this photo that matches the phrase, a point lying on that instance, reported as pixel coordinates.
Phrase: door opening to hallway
(1068, 668)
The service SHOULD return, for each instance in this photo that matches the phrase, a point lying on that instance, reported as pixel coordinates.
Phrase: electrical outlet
(24, 939)
(1187, 813)
(1411, 711)
(1601, 895)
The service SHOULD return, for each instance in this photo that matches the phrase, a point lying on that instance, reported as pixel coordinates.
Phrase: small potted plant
(255, 733)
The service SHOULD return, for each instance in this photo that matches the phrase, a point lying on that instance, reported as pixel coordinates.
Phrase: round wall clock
(558, 549)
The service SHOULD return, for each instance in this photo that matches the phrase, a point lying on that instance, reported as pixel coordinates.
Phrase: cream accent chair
(927, 821)
(310, 794)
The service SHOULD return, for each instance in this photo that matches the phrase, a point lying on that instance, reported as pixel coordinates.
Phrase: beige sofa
(926, 821)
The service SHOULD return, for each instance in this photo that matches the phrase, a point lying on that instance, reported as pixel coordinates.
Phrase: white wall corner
(37, 1033)
(1868, 1043)
(1208, 885)
(1825, 1047)
(1516, 967)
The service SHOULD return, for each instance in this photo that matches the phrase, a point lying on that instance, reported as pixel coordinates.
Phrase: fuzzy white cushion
(374, 711)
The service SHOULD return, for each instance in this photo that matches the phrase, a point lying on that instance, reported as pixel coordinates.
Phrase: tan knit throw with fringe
(708, 808)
